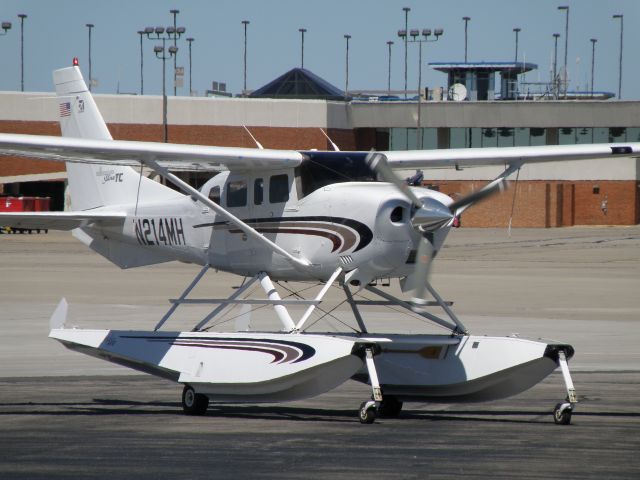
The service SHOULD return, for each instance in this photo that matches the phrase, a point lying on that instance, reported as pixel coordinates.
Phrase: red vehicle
(23, 204)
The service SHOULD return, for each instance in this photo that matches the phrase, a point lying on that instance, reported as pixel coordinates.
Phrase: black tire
(562, 417)
(194, 403)
(390, 407)
(367, 415)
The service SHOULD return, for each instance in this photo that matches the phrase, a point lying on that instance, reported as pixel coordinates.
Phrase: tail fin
(94, 186)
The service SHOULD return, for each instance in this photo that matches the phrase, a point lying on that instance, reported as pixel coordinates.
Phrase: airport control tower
(477, 80)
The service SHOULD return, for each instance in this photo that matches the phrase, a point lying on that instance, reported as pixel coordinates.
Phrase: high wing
(475, 157)
(58, 220)
(129, 153)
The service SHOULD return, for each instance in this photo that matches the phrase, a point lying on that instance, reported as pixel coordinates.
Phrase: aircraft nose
(433, 215)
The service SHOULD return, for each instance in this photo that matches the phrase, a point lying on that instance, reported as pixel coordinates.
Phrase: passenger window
(214, 195)
(237, 193)
(279, 188)
(258, 191)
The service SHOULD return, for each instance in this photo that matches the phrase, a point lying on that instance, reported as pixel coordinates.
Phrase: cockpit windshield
(320, 169)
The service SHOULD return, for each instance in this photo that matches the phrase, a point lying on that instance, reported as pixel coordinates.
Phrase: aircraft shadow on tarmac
(108, 407)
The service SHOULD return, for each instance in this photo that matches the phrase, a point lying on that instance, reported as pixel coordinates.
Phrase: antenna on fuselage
(333, 145)
(258, 144)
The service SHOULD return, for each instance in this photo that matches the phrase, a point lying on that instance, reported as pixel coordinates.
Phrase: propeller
(429, 214)
(427, 217)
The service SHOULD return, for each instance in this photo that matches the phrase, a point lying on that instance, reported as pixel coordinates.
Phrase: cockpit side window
(320, 169)
(214, 194)
(279, 188)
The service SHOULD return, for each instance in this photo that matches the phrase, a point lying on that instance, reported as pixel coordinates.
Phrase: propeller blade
(378, 163)
(420, 274)
(497, 185)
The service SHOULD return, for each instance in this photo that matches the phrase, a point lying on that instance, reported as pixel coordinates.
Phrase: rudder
(95, 186)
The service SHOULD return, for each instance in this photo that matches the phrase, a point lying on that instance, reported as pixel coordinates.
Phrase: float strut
(571, 391)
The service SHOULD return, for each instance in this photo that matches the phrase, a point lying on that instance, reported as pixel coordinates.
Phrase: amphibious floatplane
(282, 215)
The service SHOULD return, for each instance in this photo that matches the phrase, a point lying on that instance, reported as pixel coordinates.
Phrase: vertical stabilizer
(94, 186)
(79, 115)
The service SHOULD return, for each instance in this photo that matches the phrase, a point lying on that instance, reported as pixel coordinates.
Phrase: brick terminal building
(594, 192)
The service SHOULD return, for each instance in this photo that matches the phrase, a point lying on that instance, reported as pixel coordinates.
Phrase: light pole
(159, 33)
(466, 21)
(406, 28)
(175, 56)
(302, 32)
(389, 43)
(621, 17)
(516, 31)
(6, 26)
(245, 23)
(90, 27)
(415, 38)
(555, 66)
(141, 33)
(190, 41)
(593, 61)
(346, 82)
(22, 16)
(566, 47)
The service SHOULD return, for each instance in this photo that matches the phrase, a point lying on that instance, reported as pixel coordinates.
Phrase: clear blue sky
(55, 32)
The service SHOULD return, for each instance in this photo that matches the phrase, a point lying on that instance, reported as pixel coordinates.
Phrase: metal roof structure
(299, 83)
(499, 67)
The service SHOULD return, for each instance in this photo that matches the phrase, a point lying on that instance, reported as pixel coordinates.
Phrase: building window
(457, 138)
(600, 135)
(429, 138)
(584, 135)
(522, 137)
(506, 137)
(633, 134)
(537, 136)
(489, 137)
(412, 139)
(619, 134)
(397, 138)
(567, 136)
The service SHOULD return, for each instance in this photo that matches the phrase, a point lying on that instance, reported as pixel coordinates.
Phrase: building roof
(446, 67)
(299, 83)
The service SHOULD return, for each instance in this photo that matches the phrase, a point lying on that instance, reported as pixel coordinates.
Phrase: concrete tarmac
(65, 415)
(132, 427)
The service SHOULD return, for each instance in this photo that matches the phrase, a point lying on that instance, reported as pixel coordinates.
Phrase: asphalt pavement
(65, 415)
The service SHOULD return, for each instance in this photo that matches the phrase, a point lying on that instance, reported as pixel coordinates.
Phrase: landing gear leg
(369, 409)
(563, 411)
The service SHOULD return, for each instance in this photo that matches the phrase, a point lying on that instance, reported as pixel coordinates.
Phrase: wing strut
(251, 232)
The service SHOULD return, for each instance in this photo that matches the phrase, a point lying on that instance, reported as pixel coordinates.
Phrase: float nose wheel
(562, 413)
(367, 412)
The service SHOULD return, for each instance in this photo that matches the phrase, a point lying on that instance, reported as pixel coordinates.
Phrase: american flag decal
(65, 109)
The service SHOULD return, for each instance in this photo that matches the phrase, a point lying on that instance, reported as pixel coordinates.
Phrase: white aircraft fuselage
(353, 225)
